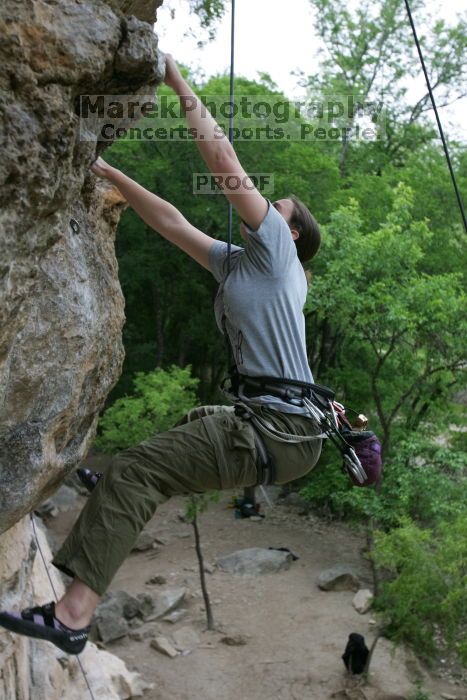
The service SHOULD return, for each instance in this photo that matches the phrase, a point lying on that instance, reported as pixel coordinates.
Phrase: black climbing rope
(440, 128)
(36, 538)
(231, 120)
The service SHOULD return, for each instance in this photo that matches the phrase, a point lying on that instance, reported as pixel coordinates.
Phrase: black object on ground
(356, 653)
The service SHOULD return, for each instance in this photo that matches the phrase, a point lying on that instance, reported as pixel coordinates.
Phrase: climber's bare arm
(162, 216)
(216, 151)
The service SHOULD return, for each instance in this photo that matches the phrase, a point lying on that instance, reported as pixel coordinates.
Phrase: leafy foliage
(422, 481)
(160, 398)
(199, 503)
(427, 595)
(205, 16)
(419, 694)
(370, 53)
(394, 332)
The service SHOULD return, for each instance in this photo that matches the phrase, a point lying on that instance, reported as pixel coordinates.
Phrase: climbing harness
(360, 448)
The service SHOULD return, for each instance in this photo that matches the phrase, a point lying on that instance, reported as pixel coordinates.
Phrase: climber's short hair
(309, 240)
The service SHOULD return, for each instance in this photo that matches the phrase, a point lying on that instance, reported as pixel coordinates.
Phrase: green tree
(391, 334)
(370, 53)
(427, 592)
(159, 400)
(197, 504)
(206, 14)
(423, 481)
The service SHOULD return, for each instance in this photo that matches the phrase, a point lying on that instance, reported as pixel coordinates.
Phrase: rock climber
(259, 305)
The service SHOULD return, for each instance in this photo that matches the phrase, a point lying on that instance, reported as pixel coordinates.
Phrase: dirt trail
(295, 633)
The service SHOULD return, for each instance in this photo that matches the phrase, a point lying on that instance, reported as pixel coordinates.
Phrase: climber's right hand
(103, 169)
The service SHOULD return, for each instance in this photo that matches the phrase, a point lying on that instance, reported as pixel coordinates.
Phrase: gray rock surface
(175, 615)
(339, 578)
(145, 541)
(119, 611)
(34, 670)
(167, 601)
(363, 600)
(163, 645)
(110, 619)
(110, 627)
(297, 502)
(156, 581)
(234, 640)
(61, 501)
(255, 561)
(61, 307)
(146, 605)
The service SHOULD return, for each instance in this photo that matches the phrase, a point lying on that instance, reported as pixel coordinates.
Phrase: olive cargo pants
(210, 449)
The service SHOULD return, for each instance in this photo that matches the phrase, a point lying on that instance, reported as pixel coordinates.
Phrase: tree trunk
(207, 602)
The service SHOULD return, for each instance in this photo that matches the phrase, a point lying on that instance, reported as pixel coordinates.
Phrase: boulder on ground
(167, 601)
(255, 561)
(175, 615)
(339, 578)
(146, 605)
(119, 608)
(145, 541)
(363, 600)
(296, 502)
(163, 645)
(110, 621)
(61, 501)
(156, 581)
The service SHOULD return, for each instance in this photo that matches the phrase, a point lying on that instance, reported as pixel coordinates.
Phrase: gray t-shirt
(262, 299)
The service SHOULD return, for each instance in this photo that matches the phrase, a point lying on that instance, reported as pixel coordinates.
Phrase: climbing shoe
(40, 622)
(89, 478)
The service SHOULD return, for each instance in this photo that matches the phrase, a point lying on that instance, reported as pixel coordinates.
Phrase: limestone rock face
(37, 670)
(61, 307)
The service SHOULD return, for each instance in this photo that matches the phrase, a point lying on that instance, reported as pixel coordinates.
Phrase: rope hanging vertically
(38, 545)
(231, 120)
(440, 128)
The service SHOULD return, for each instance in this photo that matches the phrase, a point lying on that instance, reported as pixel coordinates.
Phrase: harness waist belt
(283, 388)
